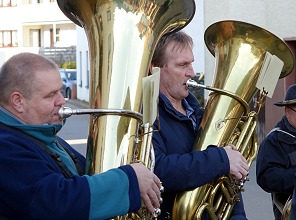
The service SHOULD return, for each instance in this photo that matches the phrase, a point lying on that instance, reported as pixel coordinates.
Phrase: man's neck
(177, 104)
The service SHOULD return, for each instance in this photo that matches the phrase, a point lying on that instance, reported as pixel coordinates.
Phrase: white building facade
(28, 25)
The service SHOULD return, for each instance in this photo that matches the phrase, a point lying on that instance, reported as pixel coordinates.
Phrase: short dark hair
(180, 37)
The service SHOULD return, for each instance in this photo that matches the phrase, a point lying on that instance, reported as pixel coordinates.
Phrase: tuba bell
(121, 36)
(240, 50)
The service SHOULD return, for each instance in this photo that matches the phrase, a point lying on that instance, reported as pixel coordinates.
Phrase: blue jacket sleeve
(134, 191)
(179, 172)
(114, 193)
(187, 171)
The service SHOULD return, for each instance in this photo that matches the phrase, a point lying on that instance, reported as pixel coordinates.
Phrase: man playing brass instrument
(180, 115)
(42, 177)
(276, 159)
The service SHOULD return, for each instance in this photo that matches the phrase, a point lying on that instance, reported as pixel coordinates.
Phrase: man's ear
(17, 101)
(150, 69)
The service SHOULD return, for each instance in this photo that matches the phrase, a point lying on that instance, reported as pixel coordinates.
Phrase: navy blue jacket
(177, 166)
(33, 187)
(276, 162)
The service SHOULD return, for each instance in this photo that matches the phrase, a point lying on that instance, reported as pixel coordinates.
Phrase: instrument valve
(156, 213)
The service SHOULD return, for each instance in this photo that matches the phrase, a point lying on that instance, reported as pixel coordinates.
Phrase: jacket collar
(45, 133)
(190, 100)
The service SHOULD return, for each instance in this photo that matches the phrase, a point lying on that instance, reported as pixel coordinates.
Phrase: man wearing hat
(276, 159)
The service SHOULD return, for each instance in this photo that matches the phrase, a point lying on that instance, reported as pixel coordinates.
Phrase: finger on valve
(233, 147)
(148, 203)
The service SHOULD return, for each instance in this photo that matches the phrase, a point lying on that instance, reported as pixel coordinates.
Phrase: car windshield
(71, 75)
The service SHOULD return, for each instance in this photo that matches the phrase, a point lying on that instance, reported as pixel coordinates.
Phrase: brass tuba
(240, 49)
(121, 36)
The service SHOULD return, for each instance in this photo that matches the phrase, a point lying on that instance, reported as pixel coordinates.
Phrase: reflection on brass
(286, 211)
(122, 36)
(239, 49)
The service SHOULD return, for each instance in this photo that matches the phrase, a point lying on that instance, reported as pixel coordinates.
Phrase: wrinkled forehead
(46, 76)
(176, 47)
(179, 52)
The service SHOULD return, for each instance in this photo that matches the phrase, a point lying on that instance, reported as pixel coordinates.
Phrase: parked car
(68, 77)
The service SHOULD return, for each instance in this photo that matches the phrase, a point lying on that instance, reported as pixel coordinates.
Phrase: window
(35, 1)
(54, 37)
(35, 37)
(87, 71)
(7, 3)
(8, 39)
(80, 70)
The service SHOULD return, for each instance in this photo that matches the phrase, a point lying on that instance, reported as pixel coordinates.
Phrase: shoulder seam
(278, 129)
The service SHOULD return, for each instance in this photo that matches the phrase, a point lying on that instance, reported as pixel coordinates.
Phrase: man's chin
(186, 93)
(56, 121)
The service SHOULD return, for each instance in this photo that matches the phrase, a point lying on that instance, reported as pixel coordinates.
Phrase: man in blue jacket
(276, 159)
(42, 177)
(180, 115)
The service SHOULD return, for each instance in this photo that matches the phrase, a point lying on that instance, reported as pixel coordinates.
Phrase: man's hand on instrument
(150, 186)
(239, 167)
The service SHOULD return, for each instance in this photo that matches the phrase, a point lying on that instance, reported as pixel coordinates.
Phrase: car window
(63, 74)
(71, 74)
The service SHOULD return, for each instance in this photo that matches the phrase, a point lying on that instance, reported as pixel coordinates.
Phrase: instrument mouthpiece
(65, 112)
(191, 83)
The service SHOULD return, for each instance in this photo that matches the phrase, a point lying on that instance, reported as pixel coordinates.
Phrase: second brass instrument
(240, 49)
(122, 36)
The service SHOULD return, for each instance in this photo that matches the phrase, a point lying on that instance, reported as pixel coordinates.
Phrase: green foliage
(69, 65)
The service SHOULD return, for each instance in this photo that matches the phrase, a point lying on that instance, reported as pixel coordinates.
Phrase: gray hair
(181, 39)
(17, 74)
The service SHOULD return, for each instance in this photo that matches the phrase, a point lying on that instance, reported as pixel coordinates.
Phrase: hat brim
(286, 103)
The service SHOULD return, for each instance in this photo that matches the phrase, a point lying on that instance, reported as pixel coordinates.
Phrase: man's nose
(190, 72)
(61, 99)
